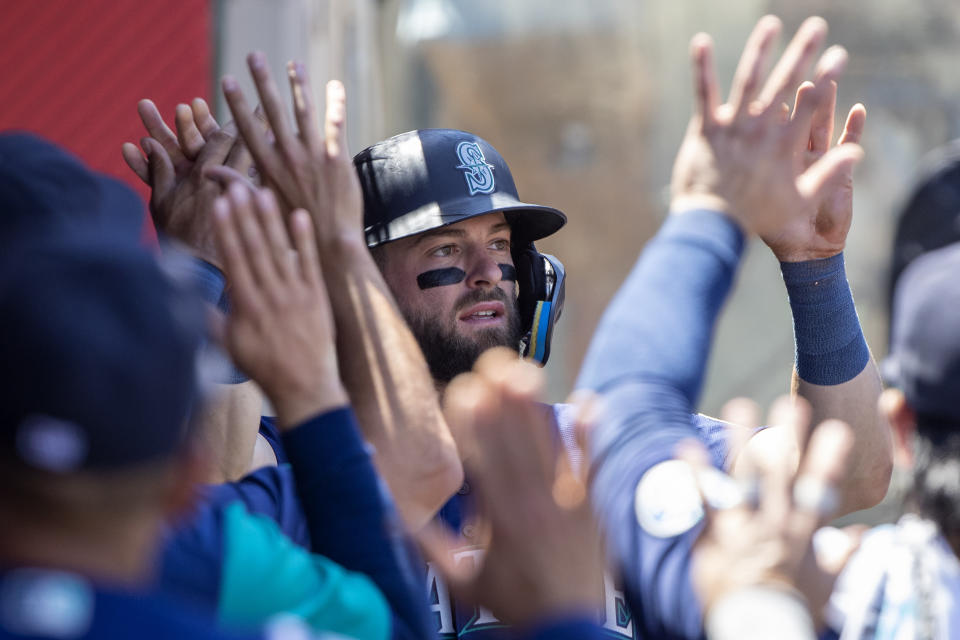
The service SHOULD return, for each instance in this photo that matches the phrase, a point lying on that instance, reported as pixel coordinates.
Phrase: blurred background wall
(587, 100)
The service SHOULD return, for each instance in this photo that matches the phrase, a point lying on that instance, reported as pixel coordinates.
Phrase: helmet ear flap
(541, 283)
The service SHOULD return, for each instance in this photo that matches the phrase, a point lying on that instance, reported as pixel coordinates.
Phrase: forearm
(647, 359)
(350, 517)
(835, 373)
(390, 387)
(227, 429)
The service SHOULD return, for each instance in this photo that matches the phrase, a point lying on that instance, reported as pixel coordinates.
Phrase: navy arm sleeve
(351, 516)
(647, 359)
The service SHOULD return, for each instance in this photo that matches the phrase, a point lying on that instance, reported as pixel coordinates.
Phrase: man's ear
(903, 424)
(190, 470)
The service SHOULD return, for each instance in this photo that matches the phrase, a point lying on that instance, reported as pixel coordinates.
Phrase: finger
(831, 64)
(250, 129)
(303, 106)
(746, 80)
(815, 494)
(252, 237)
(301, 229)
(821, 125)
(742, 412)
(215, 149)
(244, 295)
(806, 93)
(136, 161)
(159, 131)
(188, 135)
(268, 214)
(793, 64)
(705, 79)
(162, 174)
(588, 406)
(335, 120)
(812, 99)
(270, 99)
(692, 452)
(794, 414)
(836, 164)
(226, 175)
(853, 128)
(202, 117)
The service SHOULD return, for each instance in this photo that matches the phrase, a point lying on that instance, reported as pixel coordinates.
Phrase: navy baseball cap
(98, 355)
(924, 360)
(430, 178)
(44, 188)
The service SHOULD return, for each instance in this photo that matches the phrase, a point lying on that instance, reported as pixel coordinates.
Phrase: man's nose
(483, 271)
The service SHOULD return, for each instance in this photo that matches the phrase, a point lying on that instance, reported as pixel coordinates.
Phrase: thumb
(836, 164)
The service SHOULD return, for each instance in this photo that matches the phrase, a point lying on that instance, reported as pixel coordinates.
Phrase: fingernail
(257, 60)
(229, 83)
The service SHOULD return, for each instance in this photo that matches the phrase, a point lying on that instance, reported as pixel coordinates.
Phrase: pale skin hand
(738, 157)
(280, 330)
(821, 232)
(770, 544)
(776, 176)
(380, 362)
(544, 555)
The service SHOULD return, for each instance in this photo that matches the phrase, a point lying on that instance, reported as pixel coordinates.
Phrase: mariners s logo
(476, 170)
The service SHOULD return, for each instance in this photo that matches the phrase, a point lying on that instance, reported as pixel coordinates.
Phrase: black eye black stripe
(453, 275)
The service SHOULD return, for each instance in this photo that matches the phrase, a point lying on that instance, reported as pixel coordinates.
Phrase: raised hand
(177, 168)
(544, 554)
(740, 157)
(306, 168)
(822, 230)
(766, 539)
(280, 331)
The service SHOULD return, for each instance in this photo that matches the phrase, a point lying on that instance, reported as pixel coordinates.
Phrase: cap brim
(529, 222)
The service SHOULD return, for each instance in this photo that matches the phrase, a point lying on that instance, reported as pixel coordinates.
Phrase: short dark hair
(935, 494)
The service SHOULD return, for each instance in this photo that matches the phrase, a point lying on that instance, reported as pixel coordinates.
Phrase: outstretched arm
(380, 362)
(181, 202)
(282, 332)
(833, 370)
(734, 173)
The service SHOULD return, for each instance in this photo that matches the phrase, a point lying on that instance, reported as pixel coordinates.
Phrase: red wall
(73, 70)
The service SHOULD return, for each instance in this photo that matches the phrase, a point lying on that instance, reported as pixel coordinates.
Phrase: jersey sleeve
(264, 573)
(647, 360)
(351, 516)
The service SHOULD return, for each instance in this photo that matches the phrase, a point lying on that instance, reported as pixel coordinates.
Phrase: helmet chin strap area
(549, 289)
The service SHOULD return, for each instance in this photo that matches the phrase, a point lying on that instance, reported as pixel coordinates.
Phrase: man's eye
(500, 245)
(444, 251)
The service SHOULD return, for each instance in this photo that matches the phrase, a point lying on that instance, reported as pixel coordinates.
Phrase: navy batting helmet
(430, 178)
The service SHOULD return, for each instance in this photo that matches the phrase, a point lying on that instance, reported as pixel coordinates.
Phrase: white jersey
(902, 584)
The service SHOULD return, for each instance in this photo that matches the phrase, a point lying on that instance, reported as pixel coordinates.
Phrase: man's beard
(449, 353)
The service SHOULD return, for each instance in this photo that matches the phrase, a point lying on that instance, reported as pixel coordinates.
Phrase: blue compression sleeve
(351, 517)
(830, 345)
(648, 358)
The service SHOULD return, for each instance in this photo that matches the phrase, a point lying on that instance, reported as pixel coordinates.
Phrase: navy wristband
(829, 341)
(209, 280)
